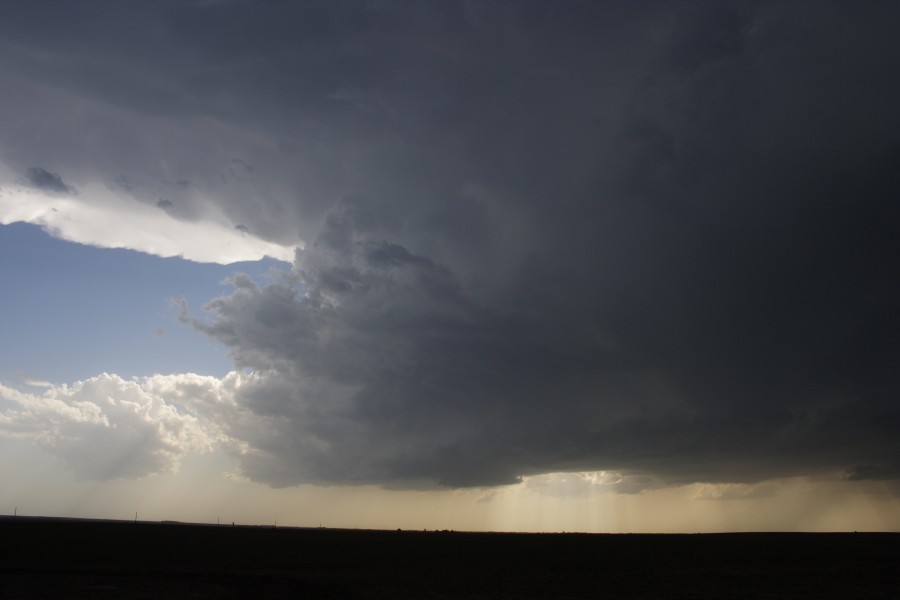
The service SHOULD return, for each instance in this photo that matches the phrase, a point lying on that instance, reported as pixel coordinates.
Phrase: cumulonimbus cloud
(655, 239)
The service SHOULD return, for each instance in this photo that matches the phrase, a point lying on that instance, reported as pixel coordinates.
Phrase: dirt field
(51, 558)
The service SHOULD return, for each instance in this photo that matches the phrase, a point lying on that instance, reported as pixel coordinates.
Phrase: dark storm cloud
(885, 471)
(47, 181)
(659, 238)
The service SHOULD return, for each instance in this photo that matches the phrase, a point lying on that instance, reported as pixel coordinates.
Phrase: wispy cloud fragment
(51, 183)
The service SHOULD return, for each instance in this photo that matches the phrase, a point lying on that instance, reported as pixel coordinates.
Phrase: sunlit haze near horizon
(489, 266)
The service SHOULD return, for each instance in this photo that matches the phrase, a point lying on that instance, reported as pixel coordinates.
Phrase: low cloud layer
(378, 365)
(652, 238)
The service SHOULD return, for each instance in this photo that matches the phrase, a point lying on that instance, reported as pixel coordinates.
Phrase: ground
(74, 559)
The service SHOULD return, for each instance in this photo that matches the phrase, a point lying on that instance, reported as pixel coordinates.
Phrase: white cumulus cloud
(106, 427)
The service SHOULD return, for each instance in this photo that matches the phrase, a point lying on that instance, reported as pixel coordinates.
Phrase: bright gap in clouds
(97, 214)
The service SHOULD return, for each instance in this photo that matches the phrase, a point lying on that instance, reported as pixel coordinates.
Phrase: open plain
(58, 558)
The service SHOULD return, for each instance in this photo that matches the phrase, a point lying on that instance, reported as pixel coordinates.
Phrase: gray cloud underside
(655, 238)
(47, 181)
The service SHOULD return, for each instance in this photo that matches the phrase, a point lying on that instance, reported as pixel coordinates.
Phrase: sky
(524, 266)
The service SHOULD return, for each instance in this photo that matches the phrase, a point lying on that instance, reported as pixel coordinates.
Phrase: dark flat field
(56, 558)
